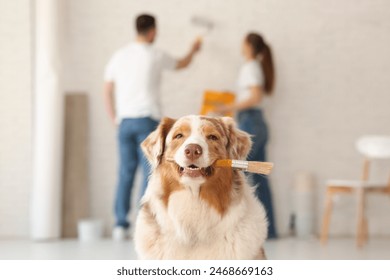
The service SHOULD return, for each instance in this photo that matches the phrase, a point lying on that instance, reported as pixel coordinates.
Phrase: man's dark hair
(144, 23)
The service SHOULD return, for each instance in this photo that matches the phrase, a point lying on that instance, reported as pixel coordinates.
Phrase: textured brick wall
(332, 65)
(15, 117)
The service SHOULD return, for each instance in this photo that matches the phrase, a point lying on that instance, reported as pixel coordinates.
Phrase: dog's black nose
(193, 151)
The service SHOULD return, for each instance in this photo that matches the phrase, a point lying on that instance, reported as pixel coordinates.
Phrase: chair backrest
(374, 146)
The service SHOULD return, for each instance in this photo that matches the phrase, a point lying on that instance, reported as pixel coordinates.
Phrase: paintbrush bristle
(264, 168)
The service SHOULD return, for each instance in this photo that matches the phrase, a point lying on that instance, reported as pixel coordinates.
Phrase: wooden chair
(371, 147)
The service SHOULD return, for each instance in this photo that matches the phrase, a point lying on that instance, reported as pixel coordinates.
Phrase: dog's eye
(178, 136)
(212, 137)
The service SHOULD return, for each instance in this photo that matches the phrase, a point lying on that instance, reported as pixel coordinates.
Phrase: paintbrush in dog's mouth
(258, 167)
(195, 171)
(192, 170)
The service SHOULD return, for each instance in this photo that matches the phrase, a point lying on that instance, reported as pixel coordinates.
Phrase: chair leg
(365, 232)
(327, 215)
(361, 223)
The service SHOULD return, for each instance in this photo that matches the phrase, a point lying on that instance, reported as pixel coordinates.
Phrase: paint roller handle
(196, 46)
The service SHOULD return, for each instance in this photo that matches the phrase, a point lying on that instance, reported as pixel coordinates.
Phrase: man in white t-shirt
(132, 98)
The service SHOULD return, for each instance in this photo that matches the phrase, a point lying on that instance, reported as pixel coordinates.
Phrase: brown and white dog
(192, 210)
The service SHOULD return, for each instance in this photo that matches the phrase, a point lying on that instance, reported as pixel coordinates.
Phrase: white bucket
(90, 230)
(303, 204)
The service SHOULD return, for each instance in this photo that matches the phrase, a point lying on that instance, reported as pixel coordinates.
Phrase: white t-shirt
(250, 75)
(136, 72)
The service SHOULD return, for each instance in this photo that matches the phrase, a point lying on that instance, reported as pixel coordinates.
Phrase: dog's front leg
(147, 233)
(183, 212)
(191, 217)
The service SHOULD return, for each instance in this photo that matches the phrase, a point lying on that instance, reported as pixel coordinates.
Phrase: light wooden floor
(286, 248)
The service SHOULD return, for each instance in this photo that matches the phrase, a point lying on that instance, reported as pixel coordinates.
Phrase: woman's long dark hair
(260, 47)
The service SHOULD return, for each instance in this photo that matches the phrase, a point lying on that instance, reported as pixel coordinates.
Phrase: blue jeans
(130, 136)
(252, 121)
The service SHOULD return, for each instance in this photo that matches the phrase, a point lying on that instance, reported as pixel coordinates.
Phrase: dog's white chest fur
(189, 228)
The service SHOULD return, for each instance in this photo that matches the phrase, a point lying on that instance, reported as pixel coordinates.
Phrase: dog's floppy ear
(240, 143)
(154, 145)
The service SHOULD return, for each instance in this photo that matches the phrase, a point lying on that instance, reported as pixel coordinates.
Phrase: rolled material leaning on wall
(48, 123)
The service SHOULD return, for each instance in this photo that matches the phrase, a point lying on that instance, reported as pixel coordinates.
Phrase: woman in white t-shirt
(255, 81)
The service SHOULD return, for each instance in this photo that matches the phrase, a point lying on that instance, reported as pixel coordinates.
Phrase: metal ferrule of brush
(240, 164)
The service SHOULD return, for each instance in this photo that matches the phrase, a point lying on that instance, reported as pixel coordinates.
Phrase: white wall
(332, 65)
(15, 117)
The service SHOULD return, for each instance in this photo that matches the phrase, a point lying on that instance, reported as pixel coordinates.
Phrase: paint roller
(202, 23)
